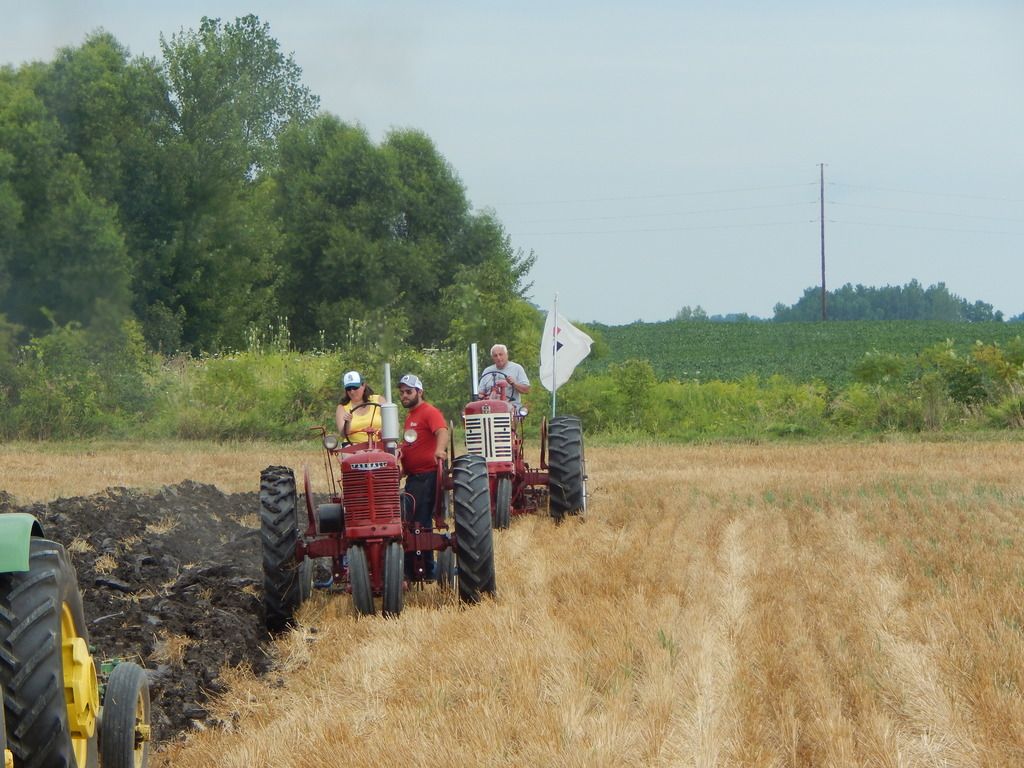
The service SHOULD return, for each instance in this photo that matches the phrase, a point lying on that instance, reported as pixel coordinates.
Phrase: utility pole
(821, 197)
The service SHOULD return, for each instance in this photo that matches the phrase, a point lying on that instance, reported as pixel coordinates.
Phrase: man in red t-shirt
(420, 457)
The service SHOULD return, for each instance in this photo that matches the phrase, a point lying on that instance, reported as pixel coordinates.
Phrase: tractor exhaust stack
(389, 415)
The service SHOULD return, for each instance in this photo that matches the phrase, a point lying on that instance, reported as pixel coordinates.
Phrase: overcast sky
(656, 155)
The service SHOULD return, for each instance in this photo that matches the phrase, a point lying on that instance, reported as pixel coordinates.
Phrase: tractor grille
(489, 435)
(370, 490)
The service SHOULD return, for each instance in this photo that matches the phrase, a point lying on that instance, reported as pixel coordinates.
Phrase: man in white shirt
(516, 381)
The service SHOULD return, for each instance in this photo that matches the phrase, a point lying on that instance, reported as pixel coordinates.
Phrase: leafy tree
(116, 116)
(10, 217)
(8, 334)
(335, 204)
(65, 256)
(980, 312)
(234, 92)
(374, 236)
(431, 212)
(688, 314)
(485, 301)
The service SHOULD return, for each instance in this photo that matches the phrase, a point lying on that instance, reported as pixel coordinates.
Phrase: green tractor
(51, 686)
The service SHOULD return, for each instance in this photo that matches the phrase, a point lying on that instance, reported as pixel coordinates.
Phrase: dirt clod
(170, 580)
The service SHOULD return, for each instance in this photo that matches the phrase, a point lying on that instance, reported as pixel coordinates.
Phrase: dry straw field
(783, 605)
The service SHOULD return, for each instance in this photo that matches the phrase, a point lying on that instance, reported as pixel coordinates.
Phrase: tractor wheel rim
(81, 689)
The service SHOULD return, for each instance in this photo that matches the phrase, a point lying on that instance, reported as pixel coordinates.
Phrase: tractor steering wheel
(496, 384)
(364, 405)
(371, 431)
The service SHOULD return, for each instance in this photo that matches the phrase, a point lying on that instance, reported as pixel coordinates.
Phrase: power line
(666, 229)
(655, 197)
(927, 229)
(931, 194)
(928, 213)
(671, 213)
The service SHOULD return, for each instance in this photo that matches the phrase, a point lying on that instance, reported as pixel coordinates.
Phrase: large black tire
(3, 735)
(359, 579)
(473, 527)
(40, 610)
(394, 578)
(503, 503)
(567, 491)
(124, 738)
(286, 582)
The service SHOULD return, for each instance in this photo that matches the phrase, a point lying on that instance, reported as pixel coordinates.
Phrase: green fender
(16, 531)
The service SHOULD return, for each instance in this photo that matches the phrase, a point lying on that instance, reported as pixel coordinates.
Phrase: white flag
(563, 346)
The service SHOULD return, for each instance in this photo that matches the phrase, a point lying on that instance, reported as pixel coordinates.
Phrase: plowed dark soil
(176, 569)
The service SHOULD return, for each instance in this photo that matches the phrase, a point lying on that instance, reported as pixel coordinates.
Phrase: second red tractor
(493, 425)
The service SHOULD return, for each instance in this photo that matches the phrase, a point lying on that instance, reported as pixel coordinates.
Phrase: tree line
(891, 302)
(196, 200)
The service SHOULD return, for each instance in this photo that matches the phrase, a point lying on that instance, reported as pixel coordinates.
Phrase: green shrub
(879, 368)
(1009, 411)
(77, 382)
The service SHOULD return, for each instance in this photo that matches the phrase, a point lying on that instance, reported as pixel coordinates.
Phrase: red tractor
(374, 550)
(493, 426)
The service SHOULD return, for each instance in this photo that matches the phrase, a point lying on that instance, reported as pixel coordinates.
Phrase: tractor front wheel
(359, 580)
(286, 582)
(47, 674)
(567, 475)
(503, 503)
(394, 578)
(473, 527)
(125, 736)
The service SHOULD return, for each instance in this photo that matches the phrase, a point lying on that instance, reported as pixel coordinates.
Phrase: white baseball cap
(352, 379)
(411, 380)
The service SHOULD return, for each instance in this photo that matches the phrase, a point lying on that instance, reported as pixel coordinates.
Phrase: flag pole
(554, 349)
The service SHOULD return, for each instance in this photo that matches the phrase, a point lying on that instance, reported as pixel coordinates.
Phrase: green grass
(799, 351)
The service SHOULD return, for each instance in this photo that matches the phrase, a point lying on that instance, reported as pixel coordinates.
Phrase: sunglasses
(349, 389)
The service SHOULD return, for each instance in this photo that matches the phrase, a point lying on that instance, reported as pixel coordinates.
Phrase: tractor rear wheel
(359, 579)
(567, 476)
(394, 577)
(446, 569)
(51, 707)
(503, 503)
(124, 739)
(473, 527)
(6, 756)
(286, 582)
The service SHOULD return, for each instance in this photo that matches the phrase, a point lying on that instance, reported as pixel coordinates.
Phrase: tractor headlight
(330, 442)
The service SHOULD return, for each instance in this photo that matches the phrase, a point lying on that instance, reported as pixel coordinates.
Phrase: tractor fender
(16, 532)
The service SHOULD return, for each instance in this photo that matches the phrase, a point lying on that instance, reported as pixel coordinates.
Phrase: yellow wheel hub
(81, 689)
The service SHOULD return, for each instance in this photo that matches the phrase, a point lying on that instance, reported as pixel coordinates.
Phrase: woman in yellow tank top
(359, 409)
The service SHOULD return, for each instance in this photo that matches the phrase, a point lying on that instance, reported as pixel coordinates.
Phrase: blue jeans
(423, 491)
